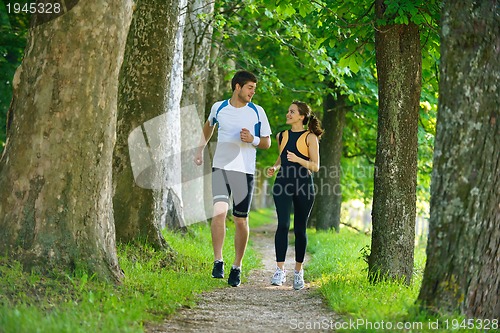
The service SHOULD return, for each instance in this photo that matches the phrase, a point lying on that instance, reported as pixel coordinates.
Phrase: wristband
(256, 141)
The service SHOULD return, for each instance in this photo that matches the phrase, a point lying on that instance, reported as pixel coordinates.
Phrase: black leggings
(300, 192)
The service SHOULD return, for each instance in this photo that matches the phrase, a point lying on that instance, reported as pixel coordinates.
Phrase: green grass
(339, 268)
(156, 284)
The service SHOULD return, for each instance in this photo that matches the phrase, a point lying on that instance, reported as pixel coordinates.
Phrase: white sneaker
(279, 277)
(298, 280)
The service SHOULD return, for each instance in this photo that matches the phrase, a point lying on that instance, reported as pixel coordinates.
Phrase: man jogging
(242, 127)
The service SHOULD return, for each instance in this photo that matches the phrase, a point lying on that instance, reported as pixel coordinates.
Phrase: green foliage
(420, 12)
(298, 47)
(156, 284)
(426, 134)
(360, 143)
(13, 30)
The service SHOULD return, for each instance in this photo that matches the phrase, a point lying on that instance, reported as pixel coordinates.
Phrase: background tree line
(369, 68)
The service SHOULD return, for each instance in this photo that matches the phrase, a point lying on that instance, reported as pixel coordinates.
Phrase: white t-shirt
(232, 153)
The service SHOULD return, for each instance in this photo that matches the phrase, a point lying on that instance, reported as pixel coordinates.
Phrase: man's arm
(264, 142)
(208, 131)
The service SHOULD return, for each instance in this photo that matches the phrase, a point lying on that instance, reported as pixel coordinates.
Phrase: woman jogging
(298, 158)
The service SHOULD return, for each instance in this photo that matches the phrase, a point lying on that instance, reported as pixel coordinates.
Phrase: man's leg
(218, 228)
(242, 188)
(240, 239)
(220, 193)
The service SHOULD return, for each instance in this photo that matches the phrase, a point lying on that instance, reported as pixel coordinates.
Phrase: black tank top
(295, 142)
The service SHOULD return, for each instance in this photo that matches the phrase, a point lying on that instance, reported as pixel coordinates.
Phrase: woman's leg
(302, 203)
(283, 203)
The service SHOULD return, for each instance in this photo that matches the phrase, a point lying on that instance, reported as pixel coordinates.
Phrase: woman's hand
(292, 157)
(271, 171)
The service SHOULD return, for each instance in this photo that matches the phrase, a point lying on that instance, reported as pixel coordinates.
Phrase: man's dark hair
(241, 78)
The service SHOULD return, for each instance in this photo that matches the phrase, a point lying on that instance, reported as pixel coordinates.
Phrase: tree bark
(55, 173)
(462, 272)
(218, 85)
(399, 63)
(197, 46)
(171, 195)
(326, 210)
(142, 123)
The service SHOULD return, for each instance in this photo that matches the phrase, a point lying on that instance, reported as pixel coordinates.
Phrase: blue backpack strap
(221, 106)
(257, 126)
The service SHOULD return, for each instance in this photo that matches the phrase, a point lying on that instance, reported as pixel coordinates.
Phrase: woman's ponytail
(312, 122)
(315, 126)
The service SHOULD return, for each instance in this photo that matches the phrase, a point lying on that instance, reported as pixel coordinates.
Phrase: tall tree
(462, 272)
(197, 45)
(143, 98)
(326, 211)
(399, 68)
(170, 195)
(55, 172)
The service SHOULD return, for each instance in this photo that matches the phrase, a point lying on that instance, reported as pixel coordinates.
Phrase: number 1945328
(34, 8)
(479, 324)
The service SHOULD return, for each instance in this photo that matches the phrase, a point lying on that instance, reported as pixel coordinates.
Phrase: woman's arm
(272, 170)
(313, 163)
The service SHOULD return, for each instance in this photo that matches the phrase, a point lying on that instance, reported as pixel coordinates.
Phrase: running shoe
(298, 280)
(218, 270)
(279, 277)
(234, 277)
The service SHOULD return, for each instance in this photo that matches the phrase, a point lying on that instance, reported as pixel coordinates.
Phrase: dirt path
(256, 305)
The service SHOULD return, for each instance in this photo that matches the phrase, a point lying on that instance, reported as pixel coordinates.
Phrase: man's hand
(246, 136)
(198, 158)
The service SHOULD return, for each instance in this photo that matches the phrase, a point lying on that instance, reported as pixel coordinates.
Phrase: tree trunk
(217, 85)
(326, 211)
(462, 272)
(171, 195)
(197, 46)
(399, 63)
(55, 173)
(139, 152)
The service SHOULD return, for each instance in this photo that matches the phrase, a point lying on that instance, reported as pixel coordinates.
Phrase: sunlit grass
(338, 266)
